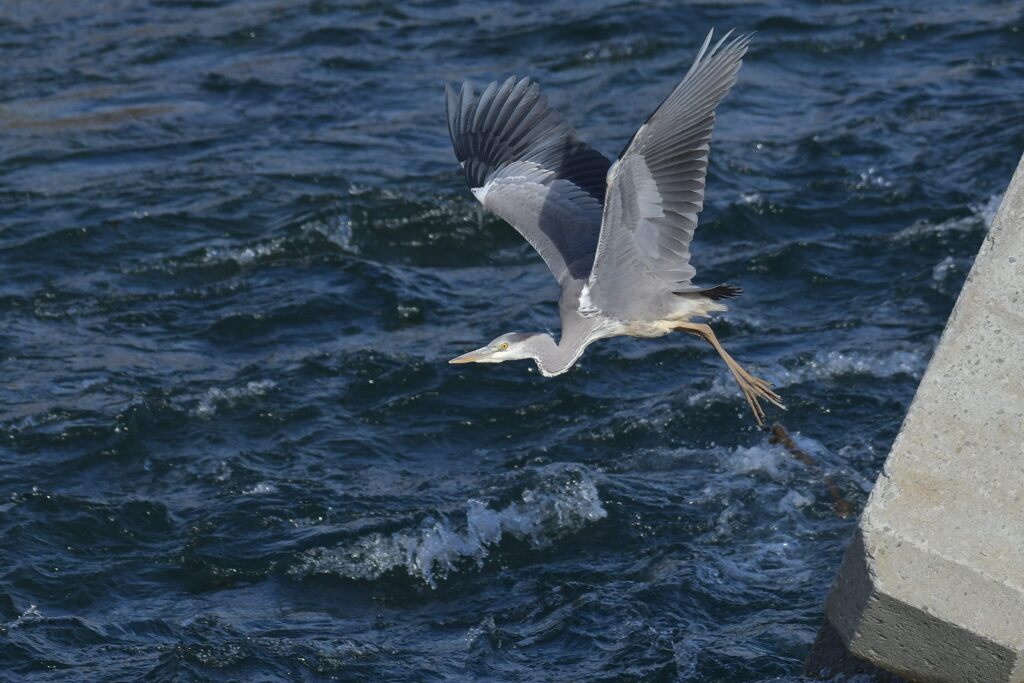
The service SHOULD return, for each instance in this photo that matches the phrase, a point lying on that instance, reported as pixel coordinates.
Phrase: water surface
(237, 253)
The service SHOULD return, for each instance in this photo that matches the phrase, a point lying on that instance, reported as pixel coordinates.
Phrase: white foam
(832, 364)
(987, 211)
(722, 388)
(943, 269)
(758, 458)
(260, 489)
(819, 367)
(564, 502)
(794, 500)
(215, 398)
(243, 256)
(29, 615)
(485, 628)
(981, 217)
(337, 231)
(872, 178)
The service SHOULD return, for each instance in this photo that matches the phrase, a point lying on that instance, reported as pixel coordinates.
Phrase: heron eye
(504, 346)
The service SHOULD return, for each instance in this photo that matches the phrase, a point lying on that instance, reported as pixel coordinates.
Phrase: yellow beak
(471, 357)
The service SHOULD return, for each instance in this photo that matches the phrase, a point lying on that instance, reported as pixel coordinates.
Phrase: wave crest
(215, 397)
(564, 502)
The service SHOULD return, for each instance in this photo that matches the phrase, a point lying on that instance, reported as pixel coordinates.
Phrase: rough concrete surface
(932, 585)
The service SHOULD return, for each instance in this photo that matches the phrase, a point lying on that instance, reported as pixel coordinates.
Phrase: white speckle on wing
(586, 306)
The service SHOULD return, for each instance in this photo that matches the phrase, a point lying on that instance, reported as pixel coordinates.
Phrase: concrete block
(932, 586)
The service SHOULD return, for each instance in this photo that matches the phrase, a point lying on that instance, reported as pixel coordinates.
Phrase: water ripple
(237, 254)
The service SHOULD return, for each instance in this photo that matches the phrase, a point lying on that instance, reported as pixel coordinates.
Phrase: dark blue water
(237, 254)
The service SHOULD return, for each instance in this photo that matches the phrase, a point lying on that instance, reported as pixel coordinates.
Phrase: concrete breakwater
(932, 584)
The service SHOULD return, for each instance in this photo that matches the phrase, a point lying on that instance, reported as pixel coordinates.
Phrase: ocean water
(237, 253)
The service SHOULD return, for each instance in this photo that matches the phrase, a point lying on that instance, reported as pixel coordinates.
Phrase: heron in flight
(616, 236)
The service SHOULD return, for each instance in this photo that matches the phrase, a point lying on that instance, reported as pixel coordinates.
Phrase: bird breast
(653, 328)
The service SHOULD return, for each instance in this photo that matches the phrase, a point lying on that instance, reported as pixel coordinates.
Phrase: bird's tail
(724, 291)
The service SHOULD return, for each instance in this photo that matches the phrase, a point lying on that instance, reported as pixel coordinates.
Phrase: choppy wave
(829, 365)
(30, 614)
(564, 502)
(243, 255)
(980, 218)
(237, 251)
(822, 366)
(217, 398)
(337, 231)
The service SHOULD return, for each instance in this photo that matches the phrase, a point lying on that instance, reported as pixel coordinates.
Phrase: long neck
(554, 359)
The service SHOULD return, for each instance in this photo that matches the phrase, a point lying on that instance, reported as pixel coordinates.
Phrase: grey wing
(524, 163)
(656, 189)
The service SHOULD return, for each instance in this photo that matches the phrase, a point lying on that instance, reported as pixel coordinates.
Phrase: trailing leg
(751, 386)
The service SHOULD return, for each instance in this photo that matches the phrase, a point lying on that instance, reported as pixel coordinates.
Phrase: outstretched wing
(524, 163)
(656, 189)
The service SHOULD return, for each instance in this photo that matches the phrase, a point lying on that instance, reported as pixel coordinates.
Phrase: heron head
(511, 346)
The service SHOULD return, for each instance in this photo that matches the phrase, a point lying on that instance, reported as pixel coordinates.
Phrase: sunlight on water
(238, 252)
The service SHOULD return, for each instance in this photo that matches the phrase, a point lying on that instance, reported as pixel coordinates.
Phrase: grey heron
(616, 236)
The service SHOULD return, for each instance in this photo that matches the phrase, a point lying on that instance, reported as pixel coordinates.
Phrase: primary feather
(525, 164)
(656, 189)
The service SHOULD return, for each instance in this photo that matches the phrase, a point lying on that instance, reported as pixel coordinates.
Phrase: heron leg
(751, 386)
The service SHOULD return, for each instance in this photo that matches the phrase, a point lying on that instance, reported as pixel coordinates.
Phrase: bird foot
(754, 388)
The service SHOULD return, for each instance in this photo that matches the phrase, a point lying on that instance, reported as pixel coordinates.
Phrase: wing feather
(522, 160)
(656, 189)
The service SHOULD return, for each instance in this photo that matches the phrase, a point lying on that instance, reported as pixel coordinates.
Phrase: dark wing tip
(512, 121)
(720, 292)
